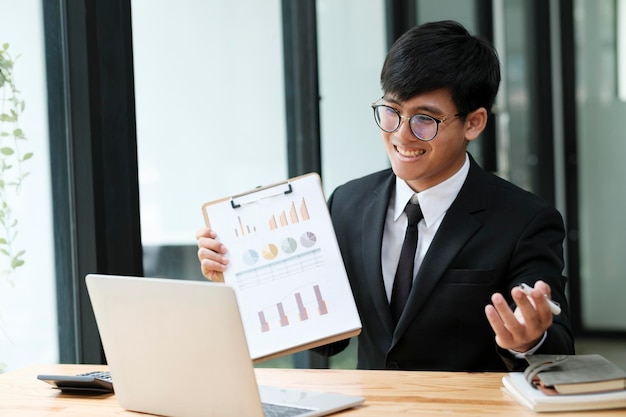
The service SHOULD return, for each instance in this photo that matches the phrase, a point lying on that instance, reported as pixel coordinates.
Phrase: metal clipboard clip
(260, 193)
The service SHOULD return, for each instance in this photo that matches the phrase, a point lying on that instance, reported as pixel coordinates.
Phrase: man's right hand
(211, 253)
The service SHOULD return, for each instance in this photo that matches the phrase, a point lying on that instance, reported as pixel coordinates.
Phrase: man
(479, 237)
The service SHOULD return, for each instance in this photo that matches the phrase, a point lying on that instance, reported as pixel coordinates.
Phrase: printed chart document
(285, 266)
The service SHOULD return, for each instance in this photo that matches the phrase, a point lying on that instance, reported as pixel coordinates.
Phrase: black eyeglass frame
(400, 117)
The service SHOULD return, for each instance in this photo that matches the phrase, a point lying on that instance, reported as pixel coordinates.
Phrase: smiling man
(435, 247)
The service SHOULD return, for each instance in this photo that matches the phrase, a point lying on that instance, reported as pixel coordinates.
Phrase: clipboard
(285, 267)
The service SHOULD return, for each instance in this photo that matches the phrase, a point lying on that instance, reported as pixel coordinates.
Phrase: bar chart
(292, 214)
(296, 307)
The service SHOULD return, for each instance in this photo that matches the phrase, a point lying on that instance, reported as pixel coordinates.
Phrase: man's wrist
(522, 355)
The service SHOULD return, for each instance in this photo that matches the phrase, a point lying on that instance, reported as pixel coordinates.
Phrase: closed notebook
(515, 384)
(574, 374)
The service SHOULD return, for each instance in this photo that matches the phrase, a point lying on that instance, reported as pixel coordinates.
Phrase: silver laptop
(178, 348)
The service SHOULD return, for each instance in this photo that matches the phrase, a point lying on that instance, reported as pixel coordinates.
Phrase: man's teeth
(406, 152)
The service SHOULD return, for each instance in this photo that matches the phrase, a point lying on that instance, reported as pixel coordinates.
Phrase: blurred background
(120, 118)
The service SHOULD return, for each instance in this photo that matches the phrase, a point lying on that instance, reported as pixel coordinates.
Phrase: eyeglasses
(424, 127)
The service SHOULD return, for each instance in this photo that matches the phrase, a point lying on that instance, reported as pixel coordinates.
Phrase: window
(28, 328)
(210, 116)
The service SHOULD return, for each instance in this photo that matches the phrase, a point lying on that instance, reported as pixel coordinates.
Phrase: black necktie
(404, 275)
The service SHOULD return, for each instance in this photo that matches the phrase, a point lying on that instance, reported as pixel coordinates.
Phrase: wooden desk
(386, 393)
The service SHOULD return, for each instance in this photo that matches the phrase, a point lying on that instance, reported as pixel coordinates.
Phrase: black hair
(443, 55)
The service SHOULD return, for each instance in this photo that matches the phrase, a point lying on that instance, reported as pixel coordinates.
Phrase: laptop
(178, 348)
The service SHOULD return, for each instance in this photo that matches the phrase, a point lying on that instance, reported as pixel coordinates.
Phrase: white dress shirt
(434, 203)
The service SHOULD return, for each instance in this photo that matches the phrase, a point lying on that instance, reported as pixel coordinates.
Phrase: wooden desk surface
(386, 393)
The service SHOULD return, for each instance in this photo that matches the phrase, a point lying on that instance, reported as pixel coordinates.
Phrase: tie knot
(414, 213)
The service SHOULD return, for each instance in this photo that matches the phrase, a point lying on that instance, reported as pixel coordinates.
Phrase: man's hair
(443, 55)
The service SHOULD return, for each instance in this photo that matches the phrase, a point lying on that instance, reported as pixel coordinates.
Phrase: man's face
(424, 164)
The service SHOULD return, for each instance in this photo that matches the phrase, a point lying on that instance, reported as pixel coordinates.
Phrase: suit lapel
(457, 227)
(373, 223)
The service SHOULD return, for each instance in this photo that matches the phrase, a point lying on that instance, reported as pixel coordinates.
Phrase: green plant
(12, 158)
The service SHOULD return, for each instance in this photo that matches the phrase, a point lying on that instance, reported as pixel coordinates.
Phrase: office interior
(136, 112)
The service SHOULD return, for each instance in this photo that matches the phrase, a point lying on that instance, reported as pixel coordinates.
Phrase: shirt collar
(434, 201)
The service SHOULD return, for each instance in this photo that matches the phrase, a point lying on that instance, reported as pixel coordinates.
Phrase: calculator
(97, 382)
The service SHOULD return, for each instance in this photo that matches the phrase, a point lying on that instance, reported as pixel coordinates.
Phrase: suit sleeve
(539, 256)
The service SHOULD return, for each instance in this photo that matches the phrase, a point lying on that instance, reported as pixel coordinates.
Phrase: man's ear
(475, 123)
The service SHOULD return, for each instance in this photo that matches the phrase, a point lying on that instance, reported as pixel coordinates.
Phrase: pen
(554, 307)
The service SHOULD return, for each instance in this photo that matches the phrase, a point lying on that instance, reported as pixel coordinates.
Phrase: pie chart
(289, 245)
(270, 251)
(250, 257)
(308, 239)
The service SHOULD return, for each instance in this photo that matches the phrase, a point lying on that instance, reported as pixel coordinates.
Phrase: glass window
(210, 116)
(601, 166)
(28, 327)
(463, 12)
(515, 160)
(351, 51)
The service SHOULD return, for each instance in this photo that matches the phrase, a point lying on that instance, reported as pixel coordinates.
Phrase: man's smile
(411, 153)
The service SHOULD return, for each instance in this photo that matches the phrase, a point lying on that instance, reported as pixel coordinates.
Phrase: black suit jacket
(493, 237)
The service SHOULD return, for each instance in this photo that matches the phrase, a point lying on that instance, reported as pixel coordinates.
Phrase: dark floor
(613, 350)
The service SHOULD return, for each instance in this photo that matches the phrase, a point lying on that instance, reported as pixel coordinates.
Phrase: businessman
(435, 247)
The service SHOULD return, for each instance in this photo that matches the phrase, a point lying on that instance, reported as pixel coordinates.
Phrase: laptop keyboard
(276, 410)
